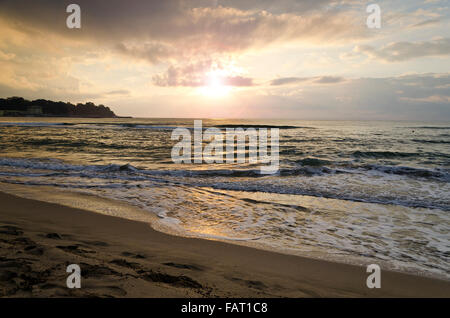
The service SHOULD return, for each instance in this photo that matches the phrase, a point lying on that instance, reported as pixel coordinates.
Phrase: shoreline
(124, 258)
(125, 210)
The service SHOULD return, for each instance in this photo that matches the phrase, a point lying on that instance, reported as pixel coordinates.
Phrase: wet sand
(124, 258)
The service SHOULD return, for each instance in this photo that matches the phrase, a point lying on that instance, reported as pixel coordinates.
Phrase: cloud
(403, 51)
(279, 6)
(177, 29)
(124, 45)
(317, 80)
(288, 80)
(151, 52)
(191, 75)
(173, 34)
(407, 97)
(199, 74)
(238, 81)
(6, 56)
(427, 23)
(329, 79)
(118, 92)
(429, 99)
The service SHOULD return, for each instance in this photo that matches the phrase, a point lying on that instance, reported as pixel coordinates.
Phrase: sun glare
(215, 86)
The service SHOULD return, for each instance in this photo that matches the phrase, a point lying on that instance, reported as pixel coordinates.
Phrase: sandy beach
(123, 258)
(202, 151)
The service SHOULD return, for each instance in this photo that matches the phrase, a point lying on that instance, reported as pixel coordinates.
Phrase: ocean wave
(74, 144)
(428, 141)
(383, 154)
(87, 125)
(296, 140)
(41, 164)
(313, 162)
(262, 126)
(307, 167)
(329, 193)
(33, 124)
(429, 127)
(55, 142)
(439, 174)
(118, 168)
(58, 165)
(139, 125)
(116, 176)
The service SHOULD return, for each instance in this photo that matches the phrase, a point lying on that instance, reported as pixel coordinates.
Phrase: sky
(233, 58)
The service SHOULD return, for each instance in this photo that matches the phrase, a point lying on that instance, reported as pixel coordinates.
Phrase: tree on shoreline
(20, 106)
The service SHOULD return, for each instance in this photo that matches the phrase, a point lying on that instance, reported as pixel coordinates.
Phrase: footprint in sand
(134, 255)
(10, 230)
(184, 266)
(74, 249)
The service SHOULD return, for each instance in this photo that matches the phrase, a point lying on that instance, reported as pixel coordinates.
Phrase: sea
(360, 192)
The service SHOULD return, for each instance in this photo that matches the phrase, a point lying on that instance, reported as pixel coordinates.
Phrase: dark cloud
(177, 29)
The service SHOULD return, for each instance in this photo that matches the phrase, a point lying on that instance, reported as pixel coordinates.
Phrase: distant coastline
(20, 107)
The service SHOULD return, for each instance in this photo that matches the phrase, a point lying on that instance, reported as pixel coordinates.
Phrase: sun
(215, 86)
